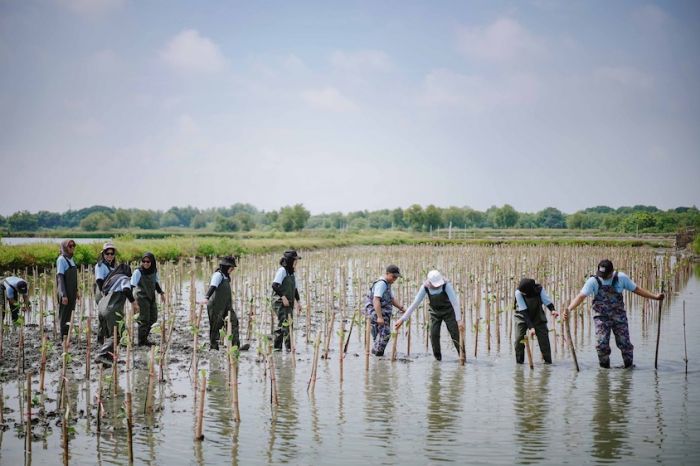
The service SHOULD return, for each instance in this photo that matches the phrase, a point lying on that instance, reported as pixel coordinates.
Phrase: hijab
(65, 252)
(153, 268)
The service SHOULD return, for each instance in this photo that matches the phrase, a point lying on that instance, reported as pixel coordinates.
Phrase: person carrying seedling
(146, 284)
(66, 284)
(105, 264)
(285, 296)
(609, 313)
(379, 303)
(110, 310)
(444, 306)
(11, 289)
(220, 304)
(530, 317)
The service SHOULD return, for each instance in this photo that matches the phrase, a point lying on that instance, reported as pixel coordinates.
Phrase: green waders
(539, 322)
(65, 311)
(219, 306)
(441, 310)
(110, 310)
(145, 294)
(284, 313)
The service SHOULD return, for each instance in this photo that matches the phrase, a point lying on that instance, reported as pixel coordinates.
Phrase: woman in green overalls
(146, 284)
(66, 284)
(284, 296)
(220, 304)
(444, 307)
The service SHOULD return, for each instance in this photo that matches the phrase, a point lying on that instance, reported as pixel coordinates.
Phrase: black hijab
(153, 268)
(529, 288)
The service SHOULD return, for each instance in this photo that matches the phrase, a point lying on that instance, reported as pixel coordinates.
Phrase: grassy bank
(176, 247)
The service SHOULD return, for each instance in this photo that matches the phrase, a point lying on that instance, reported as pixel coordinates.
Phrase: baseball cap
(605, 268)
(435, 278)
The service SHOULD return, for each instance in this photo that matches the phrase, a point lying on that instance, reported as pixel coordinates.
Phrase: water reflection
(285, 423)
(611, 416)
(530, 398)
(444, 410)
(379, 406)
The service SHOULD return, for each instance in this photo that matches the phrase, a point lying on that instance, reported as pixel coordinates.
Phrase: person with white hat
(105, 264)
(444, 307)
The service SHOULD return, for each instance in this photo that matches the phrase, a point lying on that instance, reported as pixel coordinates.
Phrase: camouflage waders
(110, 311)
(285, 314)
(609, 314)
(538, 320)
(441, 310)
(380, 334)
(14, 309)
(219, 306)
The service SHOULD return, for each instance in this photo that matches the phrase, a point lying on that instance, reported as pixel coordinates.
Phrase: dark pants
(380, 334)
(14, 309)
(542, 334)
(216, 323)
(148, 315)
(284, 319)
(436, 320)
(65, 311)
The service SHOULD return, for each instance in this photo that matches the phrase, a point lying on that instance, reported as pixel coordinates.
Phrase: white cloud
(503, 41)
(475, 93)
(189, 51)
(187, 126)
(92, 7)
(328, 98)
(625, 76)
(360, 61)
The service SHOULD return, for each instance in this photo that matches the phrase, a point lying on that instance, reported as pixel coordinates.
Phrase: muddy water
(413, 411)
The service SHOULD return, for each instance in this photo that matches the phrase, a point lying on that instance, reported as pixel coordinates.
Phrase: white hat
(435, 278)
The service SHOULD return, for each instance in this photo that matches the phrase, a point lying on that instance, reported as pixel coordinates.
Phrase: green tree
(95, 221)
(199, 221)
(504, 217)
(551, 218)
(144, 219)
(414, 217)
(432, 217)
(293, 218)
(22, 221)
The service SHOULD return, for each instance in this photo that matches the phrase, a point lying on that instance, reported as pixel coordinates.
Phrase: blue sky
(349, 105)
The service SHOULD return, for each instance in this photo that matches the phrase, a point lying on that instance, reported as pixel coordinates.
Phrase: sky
(345, 106)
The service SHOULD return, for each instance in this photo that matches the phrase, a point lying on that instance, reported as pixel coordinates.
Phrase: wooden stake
(658, 331)
(571, 342)
(527, 348)
(685, 343)
(199, 436)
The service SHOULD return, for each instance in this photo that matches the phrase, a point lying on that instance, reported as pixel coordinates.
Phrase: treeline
(245, 217)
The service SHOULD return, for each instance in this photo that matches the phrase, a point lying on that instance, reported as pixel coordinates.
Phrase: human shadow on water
(610, 415)
(445, 390)
(530, 399)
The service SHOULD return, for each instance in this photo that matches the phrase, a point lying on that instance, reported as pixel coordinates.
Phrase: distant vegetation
(245, 217)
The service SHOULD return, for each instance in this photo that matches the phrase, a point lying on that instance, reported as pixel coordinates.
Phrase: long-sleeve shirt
(449, 289)
(522, 306)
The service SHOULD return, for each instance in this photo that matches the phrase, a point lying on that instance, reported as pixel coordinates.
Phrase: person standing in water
(220, 304)
(66, 284)
(529, 299)
(285, 296)
(146, 284)
(379, 304)
(609, 314)
(444, 307)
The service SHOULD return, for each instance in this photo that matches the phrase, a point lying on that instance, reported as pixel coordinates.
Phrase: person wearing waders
(220, 304)
(530, 317)
(106, 263)
(609, 313)
(146, 284)
(67, 285)
(444, 307)
(110, 311)
(378, 306)
(285, 296)
(11, 289)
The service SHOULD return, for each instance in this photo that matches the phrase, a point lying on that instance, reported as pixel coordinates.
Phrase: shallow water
(412, 411)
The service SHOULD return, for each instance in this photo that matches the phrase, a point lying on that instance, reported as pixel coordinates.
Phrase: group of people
(115, 284)
(606, 288)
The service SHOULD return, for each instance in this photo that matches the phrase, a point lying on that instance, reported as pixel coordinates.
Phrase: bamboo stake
(233, 361)
(341, 354)
(100, 409)
(199, 436)
(527, 348)
(571, 342)
(115, 353)
(368, 334)
(347, 342)
(28, 432)
(312, 380)
(395, 337)
(658, 331)
(151, 378)
(685, 343)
